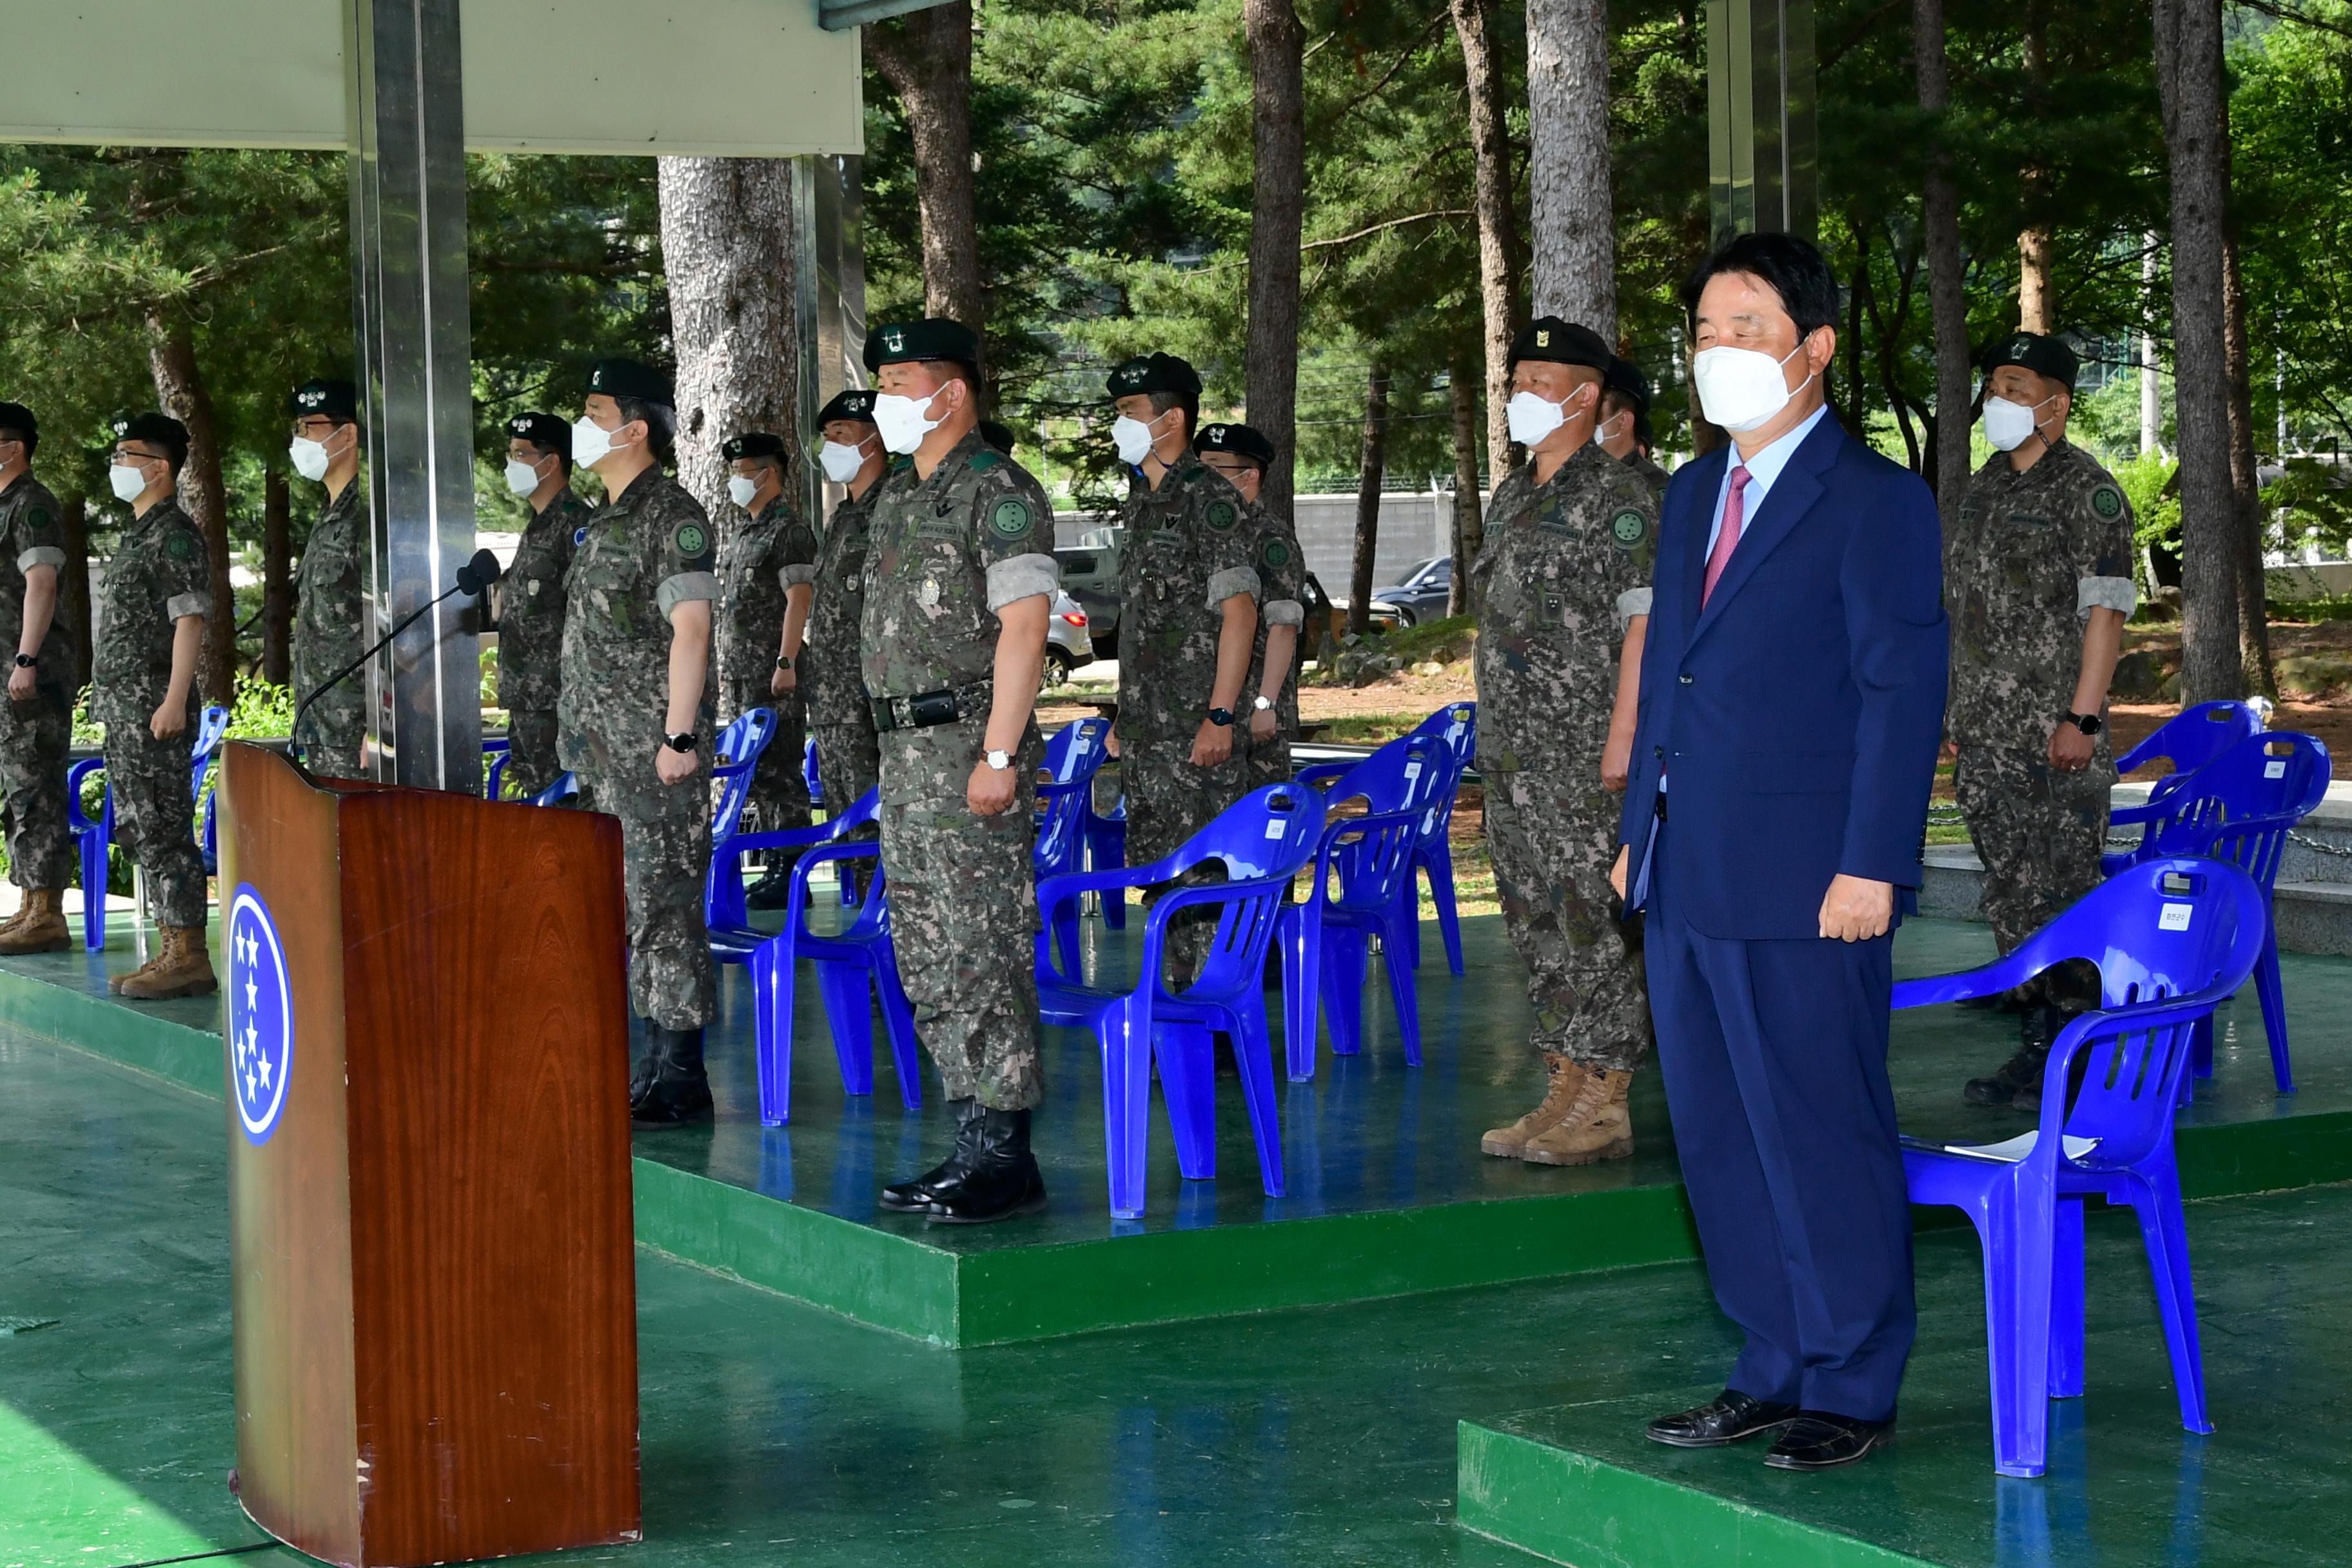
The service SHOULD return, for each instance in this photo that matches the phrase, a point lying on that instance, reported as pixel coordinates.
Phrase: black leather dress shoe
(1818, 1441)
(915, 1194)
(1733, 1419)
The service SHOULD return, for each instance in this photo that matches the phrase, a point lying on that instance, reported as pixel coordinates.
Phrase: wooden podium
(428, 1136)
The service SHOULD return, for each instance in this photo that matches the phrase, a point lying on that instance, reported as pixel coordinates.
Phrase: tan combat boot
(1597, 1126)
(39, 925)
(183, 969)
(1566, 1078)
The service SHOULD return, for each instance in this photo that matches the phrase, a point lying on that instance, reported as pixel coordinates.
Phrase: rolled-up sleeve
(797, 575)
(1286, 613)
(1631, 603)
(179, 607)
(40, 555)
(1019, 577)
(1232, 579)
(684, 588)
(2118, 593)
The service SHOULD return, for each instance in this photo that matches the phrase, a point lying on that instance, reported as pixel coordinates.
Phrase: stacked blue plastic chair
(1363, 888)
(810, 777)
(1107, 851)
(1262, 840)
(1456, 726)
(735, 757)
(2173, 939)
(497, 751)
(2188, 739)
(853, 966)
(2238, 807)
(1073, 756)
(93, 835)
(565, 787)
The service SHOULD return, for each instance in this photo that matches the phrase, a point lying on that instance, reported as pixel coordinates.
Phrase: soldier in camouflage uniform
(37, 724)
(960, 577)
(532, 598)
(331, 587)
(1562, 585)
(151, 624)
(766, 571)
(633, 717)
(849, 762)
(1625, 428)
(1188, 621)
(2039, 585)
(1243, 456)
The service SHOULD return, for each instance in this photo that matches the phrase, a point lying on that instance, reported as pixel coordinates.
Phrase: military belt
(928, 708)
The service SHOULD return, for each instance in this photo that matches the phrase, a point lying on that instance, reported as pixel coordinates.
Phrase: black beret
(157, 429)
(1239, 440)
(1154, 373)
(933, 337)
(753, 444)
(852, 402)
(1561, 343)
(544, 431)
(2043, 355)
(17, 417)
(997, 435)
(335, 399)
(1624, 376)
(627, 378)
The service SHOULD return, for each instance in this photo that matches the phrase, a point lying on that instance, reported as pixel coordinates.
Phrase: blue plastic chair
(734, 757)
(565, 787)
(1456, 727)
(93, 837)
(2173, 939)
(810, 776)
(1262, 840)
(496, 750)
(852, 965)
(2238, 808)
(2188, 739)
(1363, 888)
(1073, 756)
(1107, 851)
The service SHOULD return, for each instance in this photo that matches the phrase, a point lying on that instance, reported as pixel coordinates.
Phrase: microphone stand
(294, 738)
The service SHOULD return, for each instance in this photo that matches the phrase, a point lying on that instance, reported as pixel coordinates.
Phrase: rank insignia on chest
(851, 583)
(928, 595)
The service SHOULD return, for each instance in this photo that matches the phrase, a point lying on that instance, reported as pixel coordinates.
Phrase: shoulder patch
(36, 517)
(690, 539)
(180, 546)
(1222, 515)
(1275, 553)
(985, 459)
(1629, 527)
(1010, 517)
(2107, 501)
(579, 536)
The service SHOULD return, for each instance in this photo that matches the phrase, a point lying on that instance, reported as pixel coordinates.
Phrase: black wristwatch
(684, 741)
(2087, 722)
(1223, 718)
(787, 661)
(26, 661)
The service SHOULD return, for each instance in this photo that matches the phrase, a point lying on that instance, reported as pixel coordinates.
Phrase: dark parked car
(1420, 597)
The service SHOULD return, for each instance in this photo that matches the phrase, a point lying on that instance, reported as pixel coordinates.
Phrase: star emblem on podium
(260, 1016)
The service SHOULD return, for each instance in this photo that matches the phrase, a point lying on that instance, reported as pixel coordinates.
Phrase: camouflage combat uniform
(645, 553)
(1281, 568)
(2033, 555)
(530, 640)
(1564, 568)
(946, 554)
(1656, 478)
(159, 573)
(35, 735)
(330, 621)
(849, 762)
(765, 556)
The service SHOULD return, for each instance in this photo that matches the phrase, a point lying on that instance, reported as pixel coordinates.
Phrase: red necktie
(1727, 538)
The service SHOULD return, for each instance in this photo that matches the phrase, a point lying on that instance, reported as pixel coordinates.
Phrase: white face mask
(129, 481)
(1532, 418)
(2007, 423)
(903, 422)
(1742, 389)
(1600, 436)
(521, 478)
(740, 489)
(841, 463)
(591, 442)
(1132, 437)
(309, 458)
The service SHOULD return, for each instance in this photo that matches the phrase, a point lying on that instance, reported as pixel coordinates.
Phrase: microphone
(475, 577)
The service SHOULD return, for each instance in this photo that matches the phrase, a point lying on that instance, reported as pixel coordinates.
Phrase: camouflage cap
(1561, 343)
(851, 403)
(627, 378)
(933, 337)
(753, 444)
(2044, 356)
(544, 431)
(1154, 373)
(334, 399)
(1241, 440)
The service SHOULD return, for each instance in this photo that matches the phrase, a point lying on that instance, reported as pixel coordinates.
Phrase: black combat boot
(914, 1194)
(2016, 1084)
(773, 890)
(677, 1092)
(1001, 1181)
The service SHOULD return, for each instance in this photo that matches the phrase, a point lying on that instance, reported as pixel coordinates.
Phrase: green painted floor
(774, 1433)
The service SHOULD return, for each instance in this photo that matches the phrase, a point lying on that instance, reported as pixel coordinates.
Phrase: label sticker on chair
(2174, 918)
(2274, 770)
(1274, 829)
(1412, 770)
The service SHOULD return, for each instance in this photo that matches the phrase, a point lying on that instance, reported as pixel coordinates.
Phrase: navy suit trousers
(1774, 1056)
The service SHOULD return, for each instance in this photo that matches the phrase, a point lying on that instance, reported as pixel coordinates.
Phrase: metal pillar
(1759, 117)
(408, 290)
(829, 283)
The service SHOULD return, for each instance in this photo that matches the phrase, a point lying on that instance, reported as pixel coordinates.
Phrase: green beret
(334, 399)
(157, 429)
(627, 378)
(2044, 356)
(753, 444)
(1561, 343)
(997, 435)
(544, 431)
(1154, 373)
(1625, 377)
(1239, 440)
(17, 417)
(933, 337)
(853, 403)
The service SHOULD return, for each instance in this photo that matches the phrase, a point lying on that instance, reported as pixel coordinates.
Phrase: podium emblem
(260, 1016)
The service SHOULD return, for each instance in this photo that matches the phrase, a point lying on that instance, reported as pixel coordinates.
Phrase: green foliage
(2313, 501)
(262, 712)
(2147, 482)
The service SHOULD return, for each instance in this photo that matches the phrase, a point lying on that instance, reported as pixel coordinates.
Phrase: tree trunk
(1278, 219)
(2188, 75)
(1568, 163)
(1499, 228)
(277, 579)
(2254, 598)
(1368, 500)
(2035, 309)
(2151, 400)
(1946, 288)
(180, 388)
(926, 57)
(73, 588)
(1469, 515)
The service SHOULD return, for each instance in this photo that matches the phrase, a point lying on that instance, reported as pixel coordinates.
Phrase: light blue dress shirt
(1762, 469)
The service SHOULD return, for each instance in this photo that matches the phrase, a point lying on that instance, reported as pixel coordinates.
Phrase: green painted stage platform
(1388, 1193)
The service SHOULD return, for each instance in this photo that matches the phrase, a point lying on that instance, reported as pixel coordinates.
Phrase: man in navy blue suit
(1792, 702)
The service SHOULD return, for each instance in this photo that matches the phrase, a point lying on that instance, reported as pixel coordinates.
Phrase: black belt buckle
(932, 708)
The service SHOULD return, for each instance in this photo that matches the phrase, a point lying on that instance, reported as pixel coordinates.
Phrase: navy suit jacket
(1798, 714)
